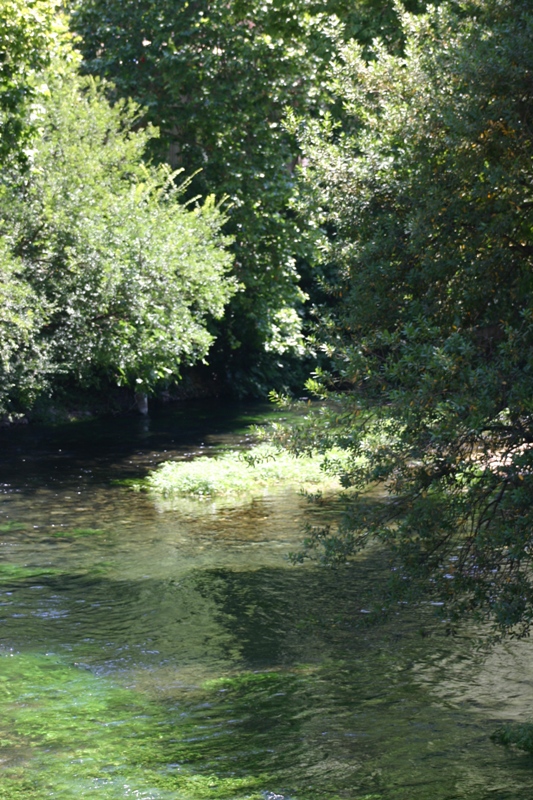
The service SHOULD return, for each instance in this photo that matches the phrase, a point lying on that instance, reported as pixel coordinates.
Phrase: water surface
(157, 652)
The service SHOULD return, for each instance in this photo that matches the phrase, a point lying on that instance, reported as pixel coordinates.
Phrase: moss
(77, 734)
(8, 527)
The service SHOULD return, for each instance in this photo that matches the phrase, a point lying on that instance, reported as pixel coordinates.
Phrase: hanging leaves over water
(425, 195)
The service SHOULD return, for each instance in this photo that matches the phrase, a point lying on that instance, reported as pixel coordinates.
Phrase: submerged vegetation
(77, 532)
(16, 572)
(7, 527)
(519, 735)
(76, 726)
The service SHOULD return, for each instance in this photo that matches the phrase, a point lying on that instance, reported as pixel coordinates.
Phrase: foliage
(237, 472)
(27, 36)
(126, 275)
(24, 361)
(217, 77)
(425, 197)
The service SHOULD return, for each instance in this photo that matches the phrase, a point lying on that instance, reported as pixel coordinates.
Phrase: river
(173, 653)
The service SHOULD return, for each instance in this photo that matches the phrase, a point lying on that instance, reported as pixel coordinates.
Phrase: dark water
(157, 652)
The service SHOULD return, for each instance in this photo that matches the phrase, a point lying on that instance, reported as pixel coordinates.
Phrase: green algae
(74, 533)
(12, 526)
(519, 735)
(16, 572)
(66, 734)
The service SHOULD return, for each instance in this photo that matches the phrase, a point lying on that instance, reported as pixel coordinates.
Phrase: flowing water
(174, 653)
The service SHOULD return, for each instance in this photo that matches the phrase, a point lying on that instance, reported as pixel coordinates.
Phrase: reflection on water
(176, 654)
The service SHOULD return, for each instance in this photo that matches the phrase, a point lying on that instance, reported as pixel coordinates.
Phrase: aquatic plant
(8, 527)
(66, 733)
(239, 472)
(77, 532)
(517, 734)
(17, 572)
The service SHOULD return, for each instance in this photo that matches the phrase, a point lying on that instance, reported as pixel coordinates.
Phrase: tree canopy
(28, 36)
(112, 277)
(217, 78)
(423, 198)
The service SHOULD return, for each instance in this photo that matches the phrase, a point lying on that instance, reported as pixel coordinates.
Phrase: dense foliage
(110, 278)
(424, 198)
(24, 364)
(28, 36)
(216, 78)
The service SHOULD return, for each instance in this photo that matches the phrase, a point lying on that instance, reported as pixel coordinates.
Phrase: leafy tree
(24, 362)
(217, 77)
(28, 35)
(425, 196)
(126, 273)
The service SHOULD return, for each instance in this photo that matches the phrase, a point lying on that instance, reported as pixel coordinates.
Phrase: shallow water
(153, 652)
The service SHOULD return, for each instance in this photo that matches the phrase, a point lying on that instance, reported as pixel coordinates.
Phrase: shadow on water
(176, 655)
(123, 446)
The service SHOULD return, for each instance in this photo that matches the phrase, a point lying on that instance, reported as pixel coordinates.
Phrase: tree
(126, 274)
(28, 36)
(24, 361)
(216, 78)
(424, 199)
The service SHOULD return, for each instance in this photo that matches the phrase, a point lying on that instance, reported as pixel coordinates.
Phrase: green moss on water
(8, 527)
(16, 572)
(130, 483)
(516, 734)
(68, 734)
(74, 533)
